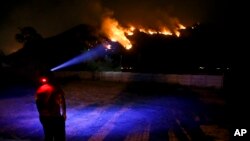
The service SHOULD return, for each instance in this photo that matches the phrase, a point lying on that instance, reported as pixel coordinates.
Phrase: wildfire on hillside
(117, 33)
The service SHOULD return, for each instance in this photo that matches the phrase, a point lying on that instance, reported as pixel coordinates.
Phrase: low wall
(214, 81)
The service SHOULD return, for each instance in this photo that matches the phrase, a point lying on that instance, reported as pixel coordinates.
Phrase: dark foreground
(109, 111)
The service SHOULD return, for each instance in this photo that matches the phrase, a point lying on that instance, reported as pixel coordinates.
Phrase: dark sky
(51, 17)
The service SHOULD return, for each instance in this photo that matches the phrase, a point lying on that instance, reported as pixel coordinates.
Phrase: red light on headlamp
(44, 80)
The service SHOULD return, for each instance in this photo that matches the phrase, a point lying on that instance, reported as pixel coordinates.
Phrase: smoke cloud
(51, 17)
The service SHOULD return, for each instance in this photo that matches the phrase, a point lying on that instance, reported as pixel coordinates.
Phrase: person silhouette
(51, 106)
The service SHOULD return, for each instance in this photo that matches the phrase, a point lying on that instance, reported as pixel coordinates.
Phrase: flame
(165, 31)
(130, 31)
(117, 33)
(181, 26)
(177, 33)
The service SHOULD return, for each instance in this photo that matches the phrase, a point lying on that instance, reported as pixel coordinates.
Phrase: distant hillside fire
(117, 33)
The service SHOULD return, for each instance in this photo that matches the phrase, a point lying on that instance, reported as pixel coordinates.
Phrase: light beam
(86, 56)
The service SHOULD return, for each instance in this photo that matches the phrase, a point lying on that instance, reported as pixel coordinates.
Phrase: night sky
(51, 17)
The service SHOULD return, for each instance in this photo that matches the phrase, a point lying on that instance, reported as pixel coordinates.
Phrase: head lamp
(43, 79)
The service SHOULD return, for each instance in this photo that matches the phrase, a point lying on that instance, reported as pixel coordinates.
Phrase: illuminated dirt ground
(99, 111)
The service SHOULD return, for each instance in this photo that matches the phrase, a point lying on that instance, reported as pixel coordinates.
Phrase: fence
(215, 81)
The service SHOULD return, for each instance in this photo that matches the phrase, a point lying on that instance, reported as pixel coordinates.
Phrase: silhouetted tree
(27, 35)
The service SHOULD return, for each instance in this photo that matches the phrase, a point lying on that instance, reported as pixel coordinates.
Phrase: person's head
(46, 77)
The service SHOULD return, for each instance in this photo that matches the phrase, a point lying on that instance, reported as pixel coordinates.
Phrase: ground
(103, 111)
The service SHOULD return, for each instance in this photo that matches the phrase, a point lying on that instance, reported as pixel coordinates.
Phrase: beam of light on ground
(163, 117)
(94, 53)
